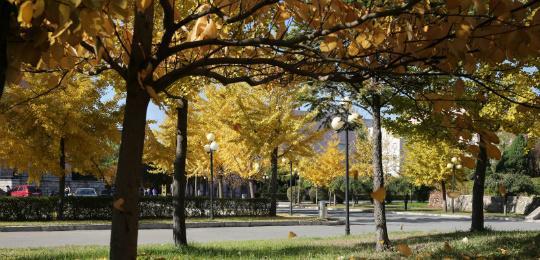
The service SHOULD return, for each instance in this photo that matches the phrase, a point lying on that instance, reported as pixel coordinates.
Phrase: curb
(454, 216)
(169, 226)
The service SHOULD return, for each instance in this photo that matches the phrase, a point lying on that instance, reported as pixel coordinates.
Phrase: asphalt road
(360, 223)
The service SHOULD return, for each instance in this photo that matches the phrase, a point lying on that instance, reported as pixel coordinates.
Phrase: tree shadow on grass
(491, 244)
(520, 245)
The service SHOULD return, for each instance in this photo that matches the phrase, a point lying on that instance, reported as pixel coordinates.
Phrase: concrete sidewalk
(74, 227)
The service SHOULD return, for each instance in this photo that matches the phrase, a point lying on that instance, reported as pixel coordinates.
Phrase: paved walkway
(360, 223)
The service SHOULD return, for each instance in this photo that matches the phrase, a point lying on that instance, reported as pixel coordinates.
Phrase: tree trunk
(443, 191)
(317, 196)
(477, 223)
(62, 182)
(298, 192)
(406, 200)
(125, 220)
(251, 189)
(273, 182)
(179, 178)
(195, 188)
(220, 186)
(5, 11)
(379, 214)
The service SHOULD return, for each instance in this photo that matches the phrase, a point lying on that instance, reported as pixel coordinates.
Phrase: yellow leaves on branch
(205, 27)
(329, 43)
(26, 11)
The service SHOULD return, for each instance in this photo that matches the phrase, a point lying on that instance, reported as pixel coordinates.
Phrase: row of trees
(442, 63)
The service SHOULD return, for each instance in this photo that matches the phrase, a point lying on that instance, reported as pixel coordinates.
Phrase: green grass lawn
(490, 244)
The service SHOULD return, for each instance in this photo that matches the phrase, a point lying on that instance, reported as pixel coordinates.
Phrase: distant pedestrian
(154, 191)
(8, 190)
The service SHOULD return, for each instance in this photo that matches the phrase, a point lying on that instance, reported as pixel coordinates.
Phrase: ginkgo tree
(425, 163)
(74, 129)
(258, 124)
(468, 113)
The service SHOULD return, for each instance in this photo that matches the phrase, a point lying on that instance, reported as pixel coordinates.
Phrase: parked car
(107, 193)
(85, 192)
(25, 191)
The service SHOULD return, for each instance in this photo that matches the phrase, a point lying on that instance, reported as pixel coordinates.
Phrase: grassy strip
(490, 244)
(284, 217)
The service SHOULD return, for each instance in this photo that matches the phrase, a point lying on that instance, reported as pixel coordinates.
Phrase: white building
(392, 147)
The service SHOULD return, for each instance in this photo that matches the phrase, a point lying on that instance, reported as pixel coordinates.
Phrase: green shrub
(90, 208)
(294, 193)
(322, 195)
(515, 184)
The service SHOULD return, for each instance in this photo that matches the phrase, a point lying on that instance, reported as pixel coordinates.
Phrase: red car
(25, 191)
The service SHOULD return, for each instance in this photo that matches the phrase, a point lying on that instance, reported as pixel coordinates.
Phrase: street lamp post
(338, 124)
(211, 148)
(453, 165)
(290, 184)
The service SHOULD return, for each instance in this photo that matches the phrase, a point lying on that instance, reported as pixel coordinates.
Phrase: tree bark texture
(477, 223)
(62, 182)
(443, 191)
(5, 13)
(252, 189)
(382, 242)
(273, 181)
(125, 220)
(179, 178)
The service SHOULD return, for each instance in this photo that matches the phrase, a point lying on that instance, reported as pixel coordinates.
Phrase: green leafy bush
(321, 195)
(294, 194)
(515, 184)
(89, 208)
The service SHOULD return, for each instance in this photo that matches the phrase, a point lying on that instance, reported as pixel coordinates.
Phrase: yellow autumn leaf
(467, 162)
(119, 204)
(362, 40)
(503, 251)
(210, 31)
(447, 246)
(379, 194)
(353, 49)
(453, 194)
(292, 234)
(502, 189)
(64, 12)
(378, 37)
(404, 249)
(493, 151)
(39, 7)
(143, 4)
(26, 10)
(329, 43)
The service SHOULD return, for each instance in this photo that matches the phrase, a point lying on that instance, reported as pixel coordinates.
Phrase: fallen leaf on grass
(292, 234)
(447, 246)
(503, 251)
(465, 240)
(404, 249)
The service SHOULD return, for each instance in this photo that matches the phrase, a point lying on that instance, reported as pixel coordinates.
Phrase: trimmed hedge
(100, 208)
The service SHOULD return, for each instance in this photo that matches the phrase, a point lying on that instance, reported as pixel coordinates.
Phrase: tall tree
(73, 127)
(514, 158)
